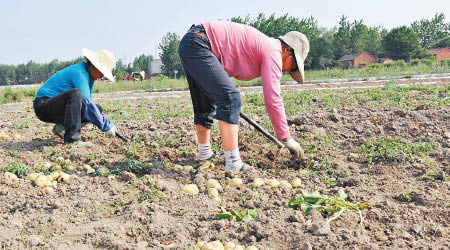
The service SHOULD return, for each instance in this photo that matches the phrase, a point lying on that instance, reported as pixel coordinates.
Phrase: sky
(43, 30)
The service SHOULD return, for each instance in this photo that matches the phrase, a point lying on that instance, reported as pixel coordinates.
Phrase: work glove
(295, 149)
(112, 131)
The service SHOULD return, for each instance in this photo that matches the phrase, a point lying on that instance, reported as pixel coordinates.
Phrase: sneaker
(212, 157)
(58, 130)
(233, 167)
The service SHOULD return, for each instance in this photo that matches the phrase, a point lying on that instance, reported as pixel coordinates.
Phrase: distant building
(440, 53)
(353, 60)
(156, 67)
(384, 60)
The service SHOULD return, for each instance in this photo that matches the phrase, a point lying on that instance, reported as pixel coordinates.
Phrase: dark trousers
(211, 88)
(63, 109)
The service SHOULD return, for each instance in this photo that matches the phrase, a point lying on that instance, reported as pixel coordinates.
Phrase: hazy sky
(42, 30)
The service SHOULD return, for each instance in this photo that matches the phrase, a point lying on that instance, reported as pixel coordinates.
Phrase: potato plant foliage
(327, 205)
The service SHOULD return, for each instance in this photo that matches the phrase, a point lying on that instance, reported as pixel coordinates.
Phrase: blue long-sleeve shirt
(76, 76)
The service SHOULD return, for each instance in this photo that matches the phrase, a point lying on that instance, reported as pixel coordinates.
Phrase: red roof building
(354, 60)
(440, 53)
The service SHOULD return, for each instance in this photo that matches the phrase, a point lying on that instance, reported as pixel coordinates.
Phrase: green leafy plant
(17, 168)
(243, 215)
(150, 194)
(393, 149)
(327, 205)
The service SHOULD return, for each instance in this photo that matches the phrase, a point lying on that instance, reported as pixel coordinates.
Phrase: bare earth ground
(150, 211)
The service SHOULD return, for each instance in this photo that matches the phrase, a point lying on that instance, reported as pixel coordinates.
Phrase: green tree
(430, 31)
(342, 39)
(444, 42)
(400, 43)
(169, 54)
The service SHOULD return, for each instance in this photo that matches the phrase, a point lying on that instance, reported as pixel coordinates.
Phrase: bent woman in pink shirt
(214, 51)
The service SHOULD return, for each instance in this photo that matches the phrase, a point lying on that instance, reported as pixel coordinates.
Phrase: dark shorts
(212, 92)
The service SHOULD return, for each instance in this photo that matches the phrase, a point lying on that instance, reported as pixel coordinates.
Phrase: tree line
(326, 45)
(32, 72)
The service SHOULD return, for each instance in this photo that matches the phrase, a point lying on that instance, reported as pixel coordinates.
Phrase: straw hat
(103, 60)
(300, 44)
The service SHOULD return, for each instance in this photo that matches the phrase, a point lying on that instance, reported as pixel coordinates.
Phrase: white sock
(233, 159)
(204, 151)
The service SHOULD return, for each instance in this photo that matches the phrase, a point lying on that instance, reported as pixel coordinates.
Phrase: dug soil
(143, 207)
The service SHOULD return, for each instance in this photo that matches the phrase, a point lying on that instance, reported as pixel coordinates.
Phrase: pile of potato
(48, 182)
(217, 245)
(274, 183)
(214, 187)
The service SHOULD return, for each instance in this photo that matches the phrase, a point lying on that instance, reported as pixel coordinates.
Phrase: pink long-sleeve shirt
(246, 53)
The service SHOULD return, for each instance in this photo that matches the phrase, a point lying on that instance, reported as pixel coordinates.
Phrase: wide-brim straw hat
(297, 41)
(103, 60)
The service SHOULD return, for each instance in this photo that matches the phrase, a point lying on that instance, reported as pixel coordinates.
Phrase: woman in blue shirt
(66, 97)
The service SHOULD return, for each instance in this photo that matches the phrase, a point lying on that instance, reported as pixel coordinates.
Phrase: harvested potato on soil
(90, 171)
(296, 183)
(4, 136)
(178, 168)
(41, 181)
(239, 247)
(217, 244)
(48, 190)
(258, 182)
(251, 248)
(229, 245)
(63, 177)
(212, 192)
(212, 183)
(103, 171)
(284, 184)
(111, 178)
(190, 189)
(32, 176)
(207, 166)
(273, 183)
(207, 246)
(86, 167)
(9, 175)
(235, 182)
(59, 160)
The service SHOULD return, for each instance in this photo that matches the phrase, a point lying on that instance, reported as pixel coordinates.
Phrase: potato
(178, 168)
(59, 159)
(212, 183)
(53, 184)
(48, 190)
(251, 248)
(90, 171)
(103, 171)
(32, 176)
(69, 168)
(67, 162)
(212, 192)
(235, 182)
(296, 183)
(188, 168)
(111, 178)
(54, 175)
(229, 245)
(258, 182)
(200, 244)
(9, 175)
(207, 246)
(190, 189)
(46, 165)
(4, 136)
(284, 184)
(63, 177)
(273, 183)
(239, 247)
(217, 244)
(56, 168)
(207, 166)
(41, 181)
(85, 167)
